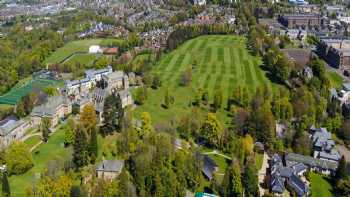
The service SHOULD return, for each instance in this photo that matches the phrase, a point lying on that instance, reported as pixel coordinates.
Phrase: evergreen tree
(250, 180)
(45, 129)
(5, 185)
(217, 100)
(232, 183)
(93, 146)
(166, 99)
(211, 130)
(120, 112)
(342, 171)
(109, 115)
(80, 154)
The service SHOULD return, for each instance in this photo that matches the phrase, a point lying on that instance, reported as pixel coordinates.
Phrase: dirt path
(262, 173)
(24, 138)
(343, 150)
(215, 152)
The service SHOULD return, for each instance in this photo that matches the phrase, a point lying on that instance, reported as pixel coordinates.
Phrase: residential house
(336, 52)
(323, 145)
(109, 169)
(209, 165)
(303, 21)
(314, 164)
(274, 27)
(300, 57)
(12, 129)
(289, 175)
(94, 49)
(200, 2)
(56, 108)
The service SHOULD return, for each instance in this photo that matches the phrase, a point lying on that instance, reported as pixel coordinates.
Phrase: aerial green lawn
(336, 80)
(221, 62)
(70, 48)
(30, 142)
(84, 59)
(52, 150)
(320, 186)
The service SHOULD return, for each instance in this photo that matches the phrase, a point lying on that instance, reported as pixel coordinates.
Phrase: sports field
(84, 59)
(23, 88)
(222, 62)
(81, 46)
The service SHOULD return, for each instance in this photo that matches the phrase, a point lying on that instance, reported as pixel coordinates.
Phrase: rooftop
(110, 166)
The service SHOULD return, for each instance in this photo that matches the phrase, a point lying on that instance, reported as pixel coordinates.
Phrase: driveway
(262, 173)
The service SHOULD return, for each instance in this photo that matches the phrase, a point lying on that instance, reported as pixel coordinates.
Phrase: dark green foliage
(342, 170)
(5, 185)
(250, 180)
(45, 129)
(113, 114)
(232, 185)
(80, 153)
(93, 146)
(156, 83)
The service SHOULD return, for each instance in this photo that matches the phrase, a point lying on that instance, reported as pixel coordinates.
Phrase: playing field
(320, 186)
(222, 62)
(23, 88)
(84, 59)
(79, 46)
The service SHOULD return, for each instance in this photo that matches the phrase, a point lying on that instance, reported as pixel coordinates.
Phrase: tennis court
(16, 93)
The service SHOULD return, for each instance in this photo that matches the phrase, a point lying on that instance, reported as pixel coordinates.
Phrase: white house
(95, 49)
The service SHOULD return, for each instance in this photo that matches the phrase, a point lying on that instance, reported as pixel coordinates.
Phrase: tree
(250, 179)
(167, 99)
(18, 158)
(5, 185)
(109, 114)
(156, 81)
(186, 77)
(141, 95)
(80, 153)
(45, 129)
(88, 117)
(342, 170)
(69, 134)
(93, 146)
(248, 145)
(343, 187)
(217, 99)
(211, 130)
(146, 127)
(232, 184)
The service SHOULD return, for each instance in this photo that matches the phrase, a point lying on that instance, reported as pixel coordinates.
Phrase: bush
(18, 158)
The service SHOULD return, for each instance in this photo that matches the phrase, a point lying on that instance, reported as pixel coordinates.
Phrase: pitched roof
(299, 167)
(49, 108)
(209, 166)
(110, 166)
(277, 185)
(298, 185)
(8, 124)
(292, 158)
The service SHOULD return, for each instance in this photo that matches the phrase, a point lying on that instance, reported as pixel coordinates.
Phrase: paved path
(24, 138)
(215, 152)
(262, 173)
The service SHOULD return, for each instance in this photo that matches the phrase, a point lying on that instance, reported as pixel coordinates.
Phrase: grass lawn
(221, 162)
(259, 160)
(84, 59)
(220, 61)
(320, 186)
(32, 141)
(52, 150)
(336, 80)
(71, 47)
(77, 46)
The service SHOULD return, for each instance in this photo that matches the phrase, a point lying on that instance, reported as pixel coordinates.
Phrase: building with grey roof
(56, 108)
(324, 146)
(280, 174)
(304, 21)
(109, 169)
(315, 164)
(12, 129)
(116, 81)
